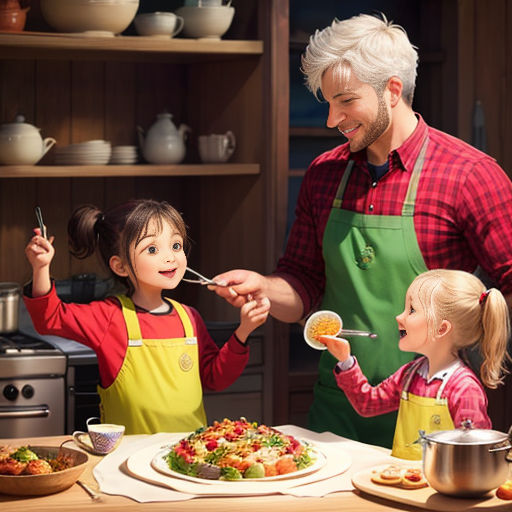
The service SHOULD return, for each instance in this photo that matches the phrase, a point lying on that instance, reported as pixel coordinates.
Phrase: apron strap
(131, 320)
(343, 184)
(446, 378)
(408, 378)
(410, 198)
(185, 319)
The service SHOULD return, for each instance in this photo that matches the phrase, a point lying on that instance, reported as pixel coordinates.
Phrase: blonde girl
(446, 311)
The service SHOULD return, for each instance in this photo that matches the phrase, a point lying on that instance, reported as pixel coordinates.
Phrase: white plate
(158, 462)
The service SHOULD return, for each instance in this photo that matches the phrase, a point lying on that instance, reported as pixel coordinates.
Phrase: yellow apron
(158, 388)
(420, 412)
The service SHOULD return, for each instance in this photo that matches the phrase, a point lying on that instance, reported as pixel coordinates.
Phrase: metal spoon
(202, 279)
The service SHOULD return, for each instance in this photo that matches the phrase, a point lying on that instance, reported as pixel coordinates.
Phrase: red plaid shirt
(463, 213)
(466, 396)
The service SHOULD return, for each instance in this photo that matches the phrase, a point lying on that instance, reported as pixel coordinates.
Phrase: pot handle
(502, 449)
(423, 437)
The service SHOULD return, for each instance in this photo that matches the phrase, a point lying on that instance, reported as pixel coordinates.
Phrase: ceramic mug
(216, 148)
(104, 436)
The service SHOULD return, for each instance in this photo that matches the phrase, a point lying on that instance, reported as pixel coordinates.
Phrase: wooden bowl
(39, 485)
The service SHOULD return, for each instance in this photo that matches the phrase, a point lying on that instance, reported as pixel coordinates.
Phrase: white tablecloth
(113, 477)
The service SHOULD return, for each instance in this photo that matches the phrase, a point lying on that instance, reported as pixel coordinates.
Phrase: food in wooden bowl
(39, 470)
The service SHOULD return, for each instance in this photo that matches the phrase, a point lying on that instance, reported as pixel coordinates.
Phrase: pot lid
(7, 289)
(472, 436)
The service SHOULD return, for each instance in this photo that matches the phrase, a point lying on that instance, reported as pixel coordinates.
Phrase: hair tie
(483, 297)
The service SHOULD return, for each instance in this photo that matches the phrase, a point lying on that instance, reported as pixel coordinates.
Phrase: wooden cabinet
(76, 89)
(455, 40)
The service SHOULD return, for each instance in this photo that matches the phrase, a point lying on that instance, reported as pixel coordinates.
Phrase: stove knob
(27, 391)
(11, 392)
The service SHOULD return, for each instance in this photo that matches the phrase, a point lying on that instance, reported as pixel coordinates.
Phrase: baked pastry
(413, 478)
(391, 475)
(399, 476)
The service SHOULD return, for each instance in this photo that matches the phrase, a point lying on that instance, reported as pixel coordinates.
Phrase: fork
(202, 280)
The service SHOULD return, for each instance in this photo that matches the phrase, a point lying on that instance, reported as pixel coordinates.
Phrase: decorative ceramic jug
(163, 143)
(12, 16)
(21, 143)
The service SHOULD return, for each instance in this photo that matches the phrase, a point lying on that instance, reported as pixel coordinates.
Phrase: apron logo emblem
(435, 419)
(185, 362)
(366, 257)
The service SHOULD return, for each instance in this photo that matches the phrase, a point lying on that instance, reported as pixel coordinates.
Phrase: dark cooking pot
(465, 462)
(10, 294)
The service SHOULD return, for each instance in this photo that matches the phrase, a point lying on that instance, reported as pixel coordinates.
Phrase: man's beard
(375, 129)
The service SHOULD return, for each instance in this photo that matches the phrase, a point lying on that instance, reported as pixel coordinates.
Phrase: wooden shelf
(296, 172)
(313, 131)
(118, 171)
(49, 45)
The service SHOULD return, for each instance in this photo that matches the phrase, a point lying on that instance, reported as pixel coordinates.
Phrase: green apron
(370, 261)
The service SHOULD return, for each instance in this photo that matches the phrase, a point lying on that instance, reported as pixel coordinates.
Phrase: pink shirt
(466, 395)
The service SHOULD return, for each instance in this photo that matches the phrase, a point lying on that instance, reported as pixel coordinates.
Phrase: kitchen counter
(75, 498)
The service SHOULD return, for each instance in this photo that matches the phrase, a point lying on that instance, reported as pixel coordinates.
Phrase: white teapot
(21, 143)
(164, 143)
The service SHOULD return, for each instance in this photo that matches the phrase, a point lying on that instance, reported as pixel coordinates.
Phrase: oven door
(32, 407)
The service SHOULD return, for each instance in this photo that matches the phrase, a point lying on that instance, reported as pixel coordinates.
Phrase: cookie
(413, 479)
(391, 475)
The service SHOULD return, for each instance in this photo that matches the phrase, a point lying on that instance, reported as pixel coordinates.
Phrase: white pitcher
(164, 143)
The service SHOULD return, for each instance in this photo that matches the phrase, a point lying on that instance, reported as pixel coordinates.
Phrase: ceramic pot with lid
(22, 144)
(163, 143)
(10, 294)
(466, 462)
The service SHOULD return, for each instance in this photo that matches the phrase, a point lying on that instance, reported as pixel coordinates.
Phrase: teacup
(104, 436)
(216, 148)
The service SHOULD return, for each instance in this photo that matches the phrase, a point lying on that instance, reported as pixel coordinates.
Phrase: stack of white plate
(124, 155)
(91, 152)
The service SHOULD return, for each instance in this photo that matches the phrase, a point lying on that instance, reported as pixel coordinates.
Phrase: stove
(32, 387)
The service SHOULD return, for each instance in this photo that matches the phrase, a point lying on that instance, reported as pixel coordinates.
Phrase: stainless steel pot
(465, 462)
(10, 294)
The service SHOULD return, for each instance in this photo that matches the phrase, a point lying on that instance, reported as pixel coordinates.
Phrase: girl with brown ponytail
(155, 355)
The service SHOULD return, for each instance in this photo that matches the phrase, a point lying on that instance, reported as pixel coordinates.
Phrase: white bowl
(208, 22)
(158, 24)
(104, 17)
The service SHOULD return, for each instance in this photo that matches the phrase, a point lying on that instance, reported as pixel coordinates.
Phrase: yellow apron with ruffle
(158, 388)
(419, 413)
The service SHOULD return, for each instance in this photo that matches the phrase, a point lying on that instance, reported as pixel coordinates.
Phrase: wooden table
(77, 500)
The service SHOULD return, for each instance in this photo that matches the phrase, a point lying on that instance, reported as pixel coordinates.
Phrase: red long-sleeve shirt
(100, 325)
(462, 215)
(466, 396)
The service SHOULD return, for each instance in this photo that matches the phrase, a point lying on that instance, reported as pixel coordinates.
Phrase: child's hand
(39, 251)
(252, 315)
(338, 347)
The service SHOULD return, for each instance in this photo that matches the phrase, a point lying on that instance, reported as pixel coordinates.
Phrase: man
(397, 199)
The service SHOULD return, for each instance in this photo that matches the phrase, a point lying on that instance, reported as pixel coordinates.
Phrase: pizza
(236, 450)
